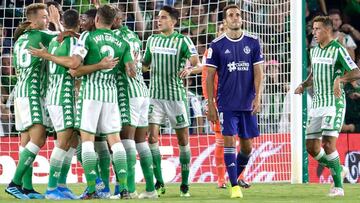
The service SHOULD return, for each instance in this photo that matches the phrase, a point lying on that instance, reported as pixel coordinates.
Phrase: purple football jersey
(234, 61)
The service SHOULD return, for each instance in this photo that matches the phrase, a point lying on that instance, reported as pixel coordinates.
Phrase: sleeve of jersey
(47, 36)
(128, 57)
(190, 49)
(345, 60)
(73, 43)
(147, 54)
(212, 57)
(258, 57)
(81, 47)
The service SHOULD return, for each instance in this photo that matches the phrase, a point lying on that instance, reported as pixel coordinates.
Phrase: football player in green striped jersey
(329, 62)
(134, 107)
(60, 105)
(166, 54)
(30, 117)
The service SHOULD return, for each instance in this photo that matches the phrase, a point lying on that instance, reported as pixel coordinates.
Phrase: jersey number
(23, 58)
(109, 51)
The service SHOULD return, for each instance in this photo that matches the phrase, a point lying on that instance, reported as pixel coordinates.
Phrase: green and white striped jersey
(167, 56)
(93, 46)
(327, 64)
(61, 85)
(135, 87)
(30, 70)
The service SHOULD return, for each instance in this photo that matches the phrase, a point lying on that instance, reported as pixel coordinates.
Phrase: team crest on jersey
(247, 50)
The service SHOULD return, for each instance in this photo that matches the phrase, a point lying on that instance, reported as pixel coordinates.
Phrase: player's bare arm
(196, 67)
(130, 69)
(307, 83)
(212, 111)
(106, 63)
(71, 62)
(258, 82)
(348, 77)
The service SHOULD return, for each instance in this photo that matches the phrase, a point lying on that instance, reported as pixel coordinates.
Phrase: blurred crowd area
(200, 20)
(345, 15)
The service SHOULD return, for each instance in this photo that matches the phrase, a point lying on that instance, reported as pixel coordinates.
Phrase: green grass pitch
(208, 193)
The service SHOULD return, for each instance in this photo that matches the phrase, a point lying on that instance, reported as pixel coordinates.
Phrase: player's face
(233, 19)
(41, 19)
(165, 23)
(320, 32)
(336, 20)
(86, 23)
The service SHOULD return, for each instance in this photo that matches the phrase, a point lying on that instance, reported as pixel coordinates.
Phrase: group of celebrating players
(113, 106)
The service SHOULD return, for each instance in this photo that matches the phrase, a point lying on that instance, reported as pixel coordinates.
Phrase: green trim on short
(182, 127)
(92, 133)
(156, 124)
(142, 126)
(100, 138)
(314, 133)
(62, 130)
(106, 134)
(127, 124)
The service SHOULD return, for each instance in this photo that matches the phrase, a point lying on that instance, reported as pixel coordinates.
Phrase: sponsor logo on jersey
(323, 60)
(164, 50)
(240, 66)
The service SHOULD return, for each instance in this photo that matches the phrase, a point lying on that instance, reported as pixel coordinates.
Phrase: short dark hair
(106, 14)
(334, 12)
(91, 13)
(325, 20)
(174, 14)
(229, 7)
(71, 18)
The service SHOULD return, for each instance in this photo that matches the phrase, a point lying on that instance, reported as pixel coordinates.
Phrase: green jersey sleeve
(47, 36)
(188, 48)
(147, 54)
(345, 61)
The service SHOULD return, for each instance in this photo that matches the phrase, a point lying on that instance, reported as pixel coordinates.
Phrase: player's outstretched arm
(105, 63)
(71, 62)
(348, 77)
(212, 111)
(307, 83)
(258, 82)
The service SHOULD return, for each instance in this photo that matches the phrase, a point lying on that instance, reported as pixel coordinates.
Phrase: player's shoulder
(250, 36)
(219, 39)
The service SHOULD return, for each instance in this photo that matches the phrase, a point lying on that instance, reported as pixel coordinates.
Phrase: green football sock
(146, 163)
(120, 165)
(335, 168)
(104, 161)
(321, 158)
(56, 162)
(89, 164)
(130, 149)
(155, 152)
(66, 165)
(185, 157)
(26, 159)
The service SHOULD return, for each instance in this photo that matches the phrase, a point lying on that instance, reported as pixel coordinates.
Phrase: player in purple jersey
(236, 57)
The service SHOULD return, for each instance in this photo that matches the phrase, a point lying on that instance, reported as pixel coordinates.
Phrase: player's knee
(329, 147)
(311, 149)
(152, 139)
(246, 150)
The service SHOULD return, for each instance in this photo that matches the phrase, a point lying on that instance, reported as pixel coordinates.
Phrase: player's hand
(184, 73)
(337, 88)
(54, 15)
(256, 105)
(212, 112)
(300, 89)
(42, 52)
(108, 62)
(130, 70)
